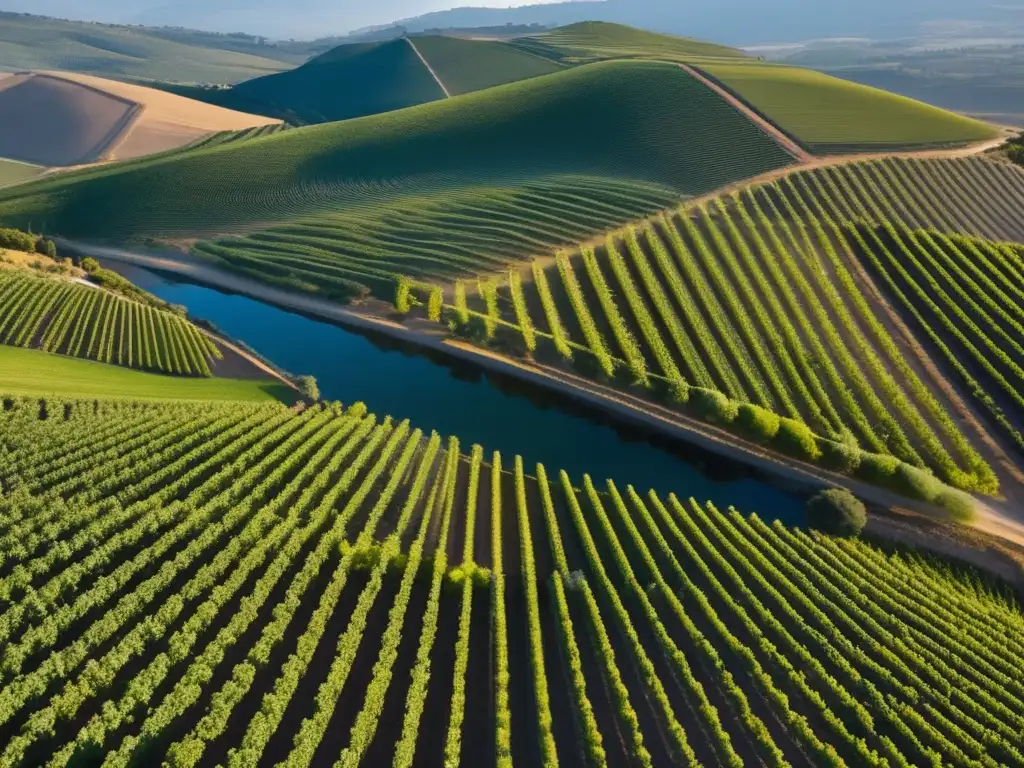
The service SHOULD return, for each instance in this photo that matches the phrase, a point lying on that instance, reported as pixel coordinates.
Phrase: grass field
(832, 116)
(71, 319)
(14, 172)
(32, 42)
(248, 586)
(32, 372)
(514, 136)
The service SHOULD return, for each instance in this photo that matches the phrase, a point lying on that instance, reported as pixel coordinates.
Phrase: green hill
(591, 41)
(830, 115)
(32, 42)
(646, 124)
(347, 81)
(465, 66)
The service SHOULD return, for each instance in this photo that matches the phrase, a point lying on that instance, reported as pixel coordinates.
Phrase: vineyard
(750, 311)
(247, 585)
(833, 116)
(72, 319)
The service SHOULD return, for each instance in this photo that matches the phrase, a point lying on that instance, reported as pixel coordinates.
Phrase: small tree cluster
(837, 512)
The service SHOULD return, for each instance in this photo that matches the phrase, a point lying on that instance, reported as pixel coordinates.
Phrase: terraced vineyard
(833, 116)
(244, 585)
(80, 321)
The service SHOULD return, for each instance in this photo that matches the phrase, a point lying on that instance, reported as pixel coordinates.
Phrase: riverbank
(620, 407)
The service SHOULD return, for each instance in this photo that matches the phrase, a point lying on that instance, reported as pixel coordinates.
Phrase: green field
(71, 319)
(31, 372)
(524, 134)
(833, 116)
(32, 42)
(14, 172)
(250, 585)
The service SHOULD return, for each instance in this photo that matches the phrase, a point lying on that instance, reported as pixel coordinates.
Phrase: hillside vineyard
(207, 584)
(81, 321)
(770, 296)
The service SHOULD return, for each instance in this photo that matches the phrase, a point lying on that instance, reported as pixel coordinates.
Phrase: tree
(309, 388)
(837, 512)
(90, 265)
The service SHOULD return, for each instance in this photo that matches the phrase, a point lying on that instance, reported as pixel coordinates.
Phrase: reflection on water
(456, 398)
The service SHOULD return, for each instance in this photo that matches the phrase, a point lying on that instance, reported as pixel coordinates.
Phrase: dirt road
(621, 405)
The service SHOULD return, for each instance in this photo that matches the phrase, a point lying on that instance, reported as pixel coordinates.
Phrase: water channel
(436, 393)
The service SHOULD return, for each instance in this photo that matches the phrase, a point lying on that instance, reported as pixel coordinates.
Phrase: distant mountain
(734, 22)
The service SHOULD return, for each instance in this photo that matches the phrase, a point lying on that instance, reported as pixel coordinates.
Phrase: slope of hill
(761, 296)
(379, 597)
(473, 65)
(645, 122)
(32, 42)
(595, 40)
(72, 119)
(13, 171)
(347, 81)
(830, 115)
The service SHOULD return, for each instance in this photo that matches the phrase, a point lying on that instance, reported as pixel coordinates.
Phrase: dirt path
(621, 405)
(430, 69)
(787, 143)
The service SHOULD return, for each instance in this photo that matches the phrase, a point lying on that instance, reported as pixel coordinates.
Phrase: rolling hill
(833, 116)
(37, 43)
(359, 79)
(647, 124)
(73, 119)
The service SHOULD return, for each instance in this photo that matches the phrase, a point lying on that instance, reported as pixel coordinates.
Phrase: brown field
(61, 123)
(166, 121)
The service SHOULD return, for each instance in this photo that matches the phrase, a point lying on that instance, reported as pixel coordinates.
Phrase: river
(435, 393)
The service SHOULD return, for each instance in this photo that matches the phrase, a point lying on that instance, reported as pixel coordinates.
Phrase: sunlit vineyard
(246, 585)
(72, 319)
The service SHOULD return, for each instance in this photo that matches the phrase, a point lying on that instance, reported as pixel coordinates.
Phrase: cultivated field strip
(72, 319)
(750, 295)
(963, 294)
(190, 584)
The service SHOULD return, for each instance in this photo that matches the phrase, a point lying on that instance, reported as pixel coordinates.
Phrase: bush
(958, 504)
(837, 512)
(757, 423)
(877, 469)
(839, 457)
(309, 388)
(17, 240)
(916, 483)
(90, 265)
(796, 439)
(712, 406)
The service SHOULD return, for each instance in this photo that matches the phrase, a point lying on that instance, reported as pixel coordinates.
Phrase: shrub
(309, 388)
(712, 406)
(958, 504)
(757, 423)
(877, 469)
(17, 240)
(837, 512)
(796, 439)
(916, 483)
(90, 265)
(839, 457)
